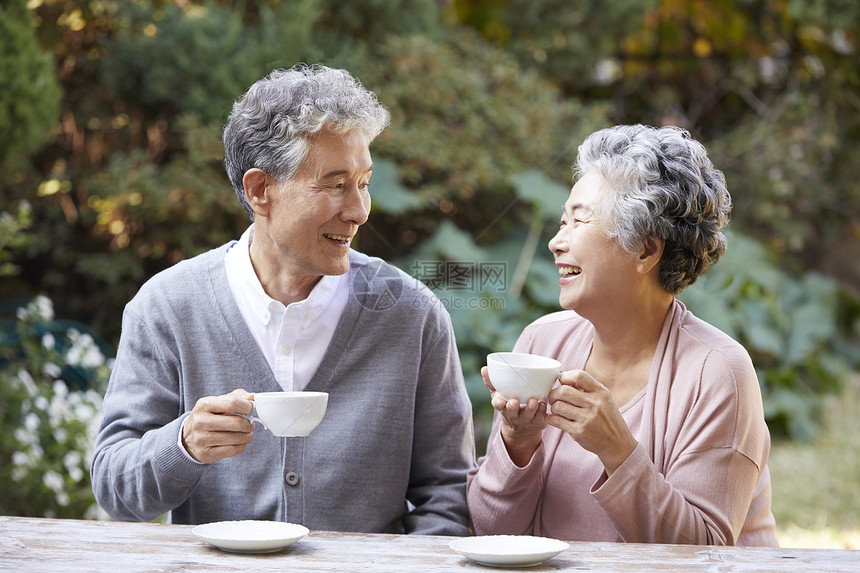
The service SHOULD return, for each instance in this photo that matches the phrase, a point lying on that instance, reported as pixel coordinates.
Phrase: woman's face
(594, 270)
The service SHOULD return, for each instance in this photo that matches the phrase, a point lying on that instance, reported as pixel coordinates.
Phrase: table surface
(55, 545)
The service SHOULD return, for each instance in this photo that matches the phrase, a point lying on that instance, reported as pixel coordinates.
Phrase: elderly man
(290, 307)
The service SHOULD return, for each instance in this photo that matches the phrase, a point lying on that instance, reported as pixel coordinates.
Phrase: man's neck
(281, 283)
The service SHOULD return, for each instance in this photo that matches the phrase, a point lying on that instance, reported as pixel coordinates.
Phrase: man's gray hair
(271, 124)
(662, 183)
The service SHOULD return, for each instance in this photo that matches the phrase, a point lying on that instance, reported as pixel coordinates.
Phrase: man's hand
(213, 431)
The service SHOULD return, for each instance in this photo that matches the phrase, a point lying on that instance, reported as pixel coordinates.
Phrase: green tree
(29, 93)
(568, 42)
(489, 101)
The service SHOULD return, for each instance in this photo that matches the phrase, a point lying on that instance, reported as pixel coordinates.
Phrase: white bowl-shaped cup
(520, 376)
(289, 413)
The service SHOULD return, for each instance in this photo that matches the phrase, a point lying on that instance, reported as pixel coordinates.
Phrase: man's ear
(256, 182)
(650, 254)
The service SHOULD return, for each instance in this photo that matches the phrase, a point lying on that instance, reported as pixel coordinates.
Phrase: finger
(571, 378)
(512, 407)
(498, 401)
(581, 380)
(209, 422)
(563, 423)
(233, 403)
(530, 409)
(566, 395)
(564, 409)
(485, 374)
(242, 401)
(211, 454)
(202, 433)
(539, 413)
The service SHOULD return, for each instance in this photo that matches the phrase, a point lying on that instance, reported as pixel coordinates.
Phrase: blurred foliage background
(111, 170)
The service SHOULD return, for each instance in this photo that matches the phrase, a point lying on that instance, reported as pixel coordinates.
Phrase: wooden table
(56, 545)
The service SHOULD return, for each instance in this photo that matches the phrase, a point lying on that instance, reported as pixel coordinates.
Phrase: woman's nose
(558, 243)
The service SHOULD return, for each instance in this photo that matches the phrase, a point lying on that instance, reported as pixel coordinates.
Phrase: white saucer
(250, 536)
(508, 550)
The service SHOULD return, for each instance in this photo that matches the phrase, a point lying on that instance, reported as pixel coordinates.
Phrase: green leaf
(544, 194)
(452, 244)
(386, 191)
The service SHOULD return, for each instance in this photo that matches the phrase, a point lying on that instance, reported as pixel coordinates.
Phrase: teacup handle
(252, 418)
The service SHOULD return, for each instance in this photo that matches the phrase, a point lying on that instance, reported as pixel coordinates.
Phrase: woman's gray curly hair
(661, 183)
(271, 124)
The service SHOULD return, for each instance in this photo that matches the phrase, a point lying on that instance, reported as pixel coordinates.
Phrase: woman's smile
(568, 273)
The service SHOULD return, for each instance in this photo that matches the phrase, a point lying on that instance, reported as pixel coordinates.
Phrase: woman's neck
(625, 341)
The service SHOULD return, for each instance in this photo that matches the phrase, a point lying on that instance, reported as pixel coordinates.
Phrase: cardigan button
(292, 478)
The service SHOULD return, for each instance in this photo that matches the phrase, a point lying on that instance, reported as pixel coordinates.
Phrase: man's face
(313, 217)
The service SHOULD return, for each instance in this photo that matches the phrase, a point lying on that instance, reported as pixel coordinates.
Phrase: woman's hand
(584, 408)
(521, 427)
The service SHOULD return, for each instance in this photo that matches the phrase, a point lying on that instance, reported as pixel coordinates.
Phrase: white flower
(41, 403)
(73, 460)
(23, 436)
(20, 458)
(48, 341)
(57, 410)
(60, 389)
(84, 351)
(96, 513)
(31, 421)
(76, 473)
(51, 370)
(41, 308)
(60, 435)
(54, 481)
(27, 380)
(606, 71)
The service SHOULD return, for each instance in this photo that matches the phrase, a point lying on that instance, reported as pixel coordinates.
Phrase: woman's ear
(256, 181)
(650, 254)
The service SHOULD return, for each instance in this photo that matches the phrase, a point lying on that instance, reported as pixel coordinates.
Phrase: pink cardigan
(698, 476)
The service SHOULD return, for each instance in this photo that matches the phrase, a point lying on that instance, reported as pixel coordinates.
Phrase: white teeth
(338, 238)
(568, 271)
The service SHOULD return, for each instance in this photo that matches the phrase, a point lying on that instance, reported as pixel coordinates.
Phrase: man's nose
(356, 205)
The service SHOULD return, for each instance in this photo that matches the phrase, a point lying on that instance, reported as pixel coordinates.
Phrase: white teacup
(520, 376)
(289, 413)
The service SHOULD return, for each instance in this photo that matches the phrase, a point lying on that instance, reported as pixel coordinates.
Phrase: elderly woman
(655, 432)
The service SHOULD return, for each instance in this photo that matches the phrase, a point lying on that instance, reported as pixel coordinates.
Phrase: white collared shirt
(293, 338)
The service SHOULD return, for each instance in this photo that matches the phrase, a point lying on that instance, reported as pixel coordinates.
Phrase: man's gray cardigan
(390, 455)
